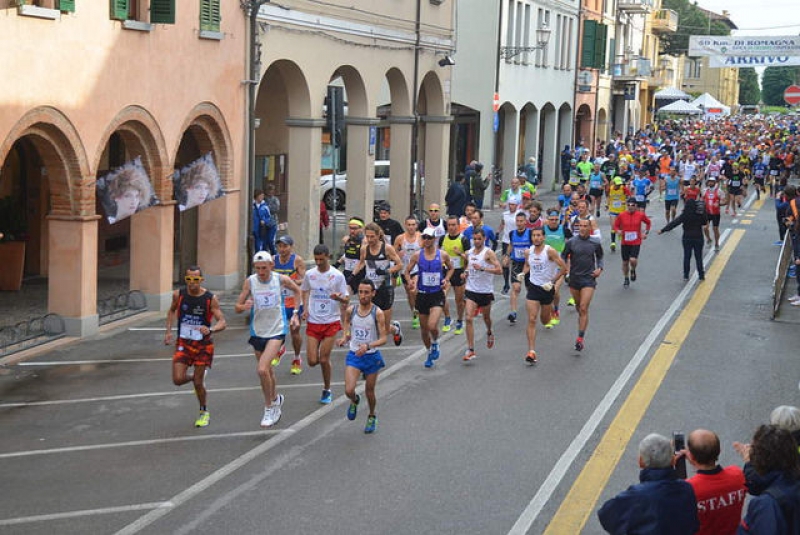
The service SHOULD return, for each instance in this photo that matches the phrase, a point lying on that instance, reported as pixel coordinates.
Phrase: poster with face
(126, 191)
(197, 183)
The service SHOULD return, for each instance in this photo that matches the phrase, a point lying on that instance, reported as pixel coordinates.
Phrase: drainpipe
(415, 194)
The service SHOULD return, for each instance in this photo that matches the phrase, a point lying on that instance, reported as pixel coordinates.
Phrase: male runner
(556, 236)
(671, 192)
(617, 196)
(712, 199)
(406, 245)
(292, 265)
(430, 283)
(194, 307)
(263, 296)
(585, 258)
(507, 225)
(456, 246)
(597, 185)
(544, 268)
(629, 224)
(352, 251)
(481, 265)
(519, 241)
(325, 297)
(365, 329)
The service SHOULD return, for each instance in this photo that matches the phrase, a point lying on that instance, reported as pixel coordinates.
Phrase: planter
(12, 265)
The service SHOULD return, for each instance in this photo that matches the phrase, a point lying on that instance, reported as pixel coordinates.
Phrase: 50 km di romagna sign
(792, 95)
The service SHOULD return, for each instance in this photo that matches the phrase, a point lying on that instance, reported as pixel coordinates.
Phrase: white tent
(681, 107)
(710, 105)
(671, 93)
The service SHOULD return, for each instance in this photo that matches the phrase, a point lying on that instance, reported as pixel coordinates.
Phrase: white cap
(430, 231)
(262, 256)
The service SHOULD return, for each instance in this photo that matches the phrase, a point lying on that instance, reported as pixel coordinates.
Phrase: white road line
(228, 328)
(131, 443)
(85, 512)
(151, 394)
(562, 466)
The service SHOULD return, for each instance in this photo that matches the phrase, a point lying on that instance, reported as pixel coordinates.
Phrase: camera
(680, 444)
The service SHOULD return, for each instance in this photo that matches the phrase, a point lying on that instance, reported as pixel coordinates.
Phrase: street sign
(496, 123)
(496, 103)
(792, 95)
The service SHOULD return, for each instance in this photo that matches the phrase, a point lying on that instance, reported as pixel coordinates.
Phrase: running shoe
(429, 361)
(446, 326)
(504, 291)
(552, 323)
(579, 344)
(297, 367)
(795, 298)
(398, 335)
(414, 322)
(512, 317)
(277, 359)
(613, 246)
(459, 327)
(434, 352)
(278, 401)
(597, 213)
(276, 414)
(489, 340)
(372, 423)
(633, 274)
(327, 397)
(469, 355)
(708, 241)
(556, 317)
(203, 419)
(626, 282)
(571, 302)
(530, 358)
(266, 420)
(352, 410)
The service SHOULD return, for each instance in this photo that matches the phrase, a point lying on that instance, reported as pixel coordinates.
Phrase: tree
(775, 81)
(749, 91)
(691, 21)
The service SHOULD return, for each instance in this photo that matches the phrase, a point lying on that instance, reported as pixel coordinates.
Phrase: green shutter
(162, 11)
(589, 43)
(209, 15)
(119, 9)
(600, 46)
(67, 5)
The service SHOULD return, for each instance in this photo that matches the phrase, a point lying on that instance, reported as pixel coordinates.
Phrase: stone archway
(584, 124)
(433, 141)
(401, 125)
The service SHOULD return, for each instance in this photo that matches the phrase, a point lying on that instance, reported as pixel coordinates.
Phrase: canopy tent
(671, 93)
(681, 107)
(710, 105)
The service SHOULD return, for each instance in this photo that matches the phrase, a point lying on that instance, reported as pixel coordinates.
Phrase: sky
(759, 17)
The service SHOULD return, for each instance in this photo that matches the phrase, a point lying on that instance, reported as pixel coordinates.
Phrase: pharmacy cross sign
(792, 95)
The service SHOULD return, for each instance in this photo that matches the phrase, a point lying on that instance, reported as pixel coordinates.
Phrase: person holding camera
(660, 504)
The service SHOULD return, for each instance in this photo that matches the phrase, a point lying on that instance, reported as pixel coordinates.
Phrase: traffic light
(334, 116)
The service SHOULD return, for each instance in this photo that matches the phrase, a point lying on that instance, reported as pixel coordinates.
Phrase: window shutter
(209, 15)
(600, 46)
(162, 11)
(67, 5)
(589, 43)
(119, 9)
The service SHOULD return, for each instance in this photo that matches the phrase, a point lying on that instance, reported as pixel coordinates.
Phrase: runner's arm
(242, 303)
(219, 317)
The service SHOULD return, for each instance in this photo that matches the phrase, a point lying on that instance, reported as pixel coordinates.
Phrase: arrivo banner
(721, 45)
(752, 61)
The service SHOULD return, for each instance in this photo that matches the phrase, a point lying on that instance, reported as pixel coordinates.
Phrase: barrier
(121, 306)
(31, 333)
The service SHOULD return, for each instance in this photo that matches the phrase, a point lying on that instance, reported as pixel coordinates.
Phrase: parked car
(381, 186)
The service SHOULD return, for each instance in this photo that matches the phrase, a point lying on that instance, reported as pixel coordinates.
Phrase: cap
(526, 195)
(286, 239)
(262, 256)
(631, 200)
(618, 180)
(711, 179)
(430, 231)
(514, 200)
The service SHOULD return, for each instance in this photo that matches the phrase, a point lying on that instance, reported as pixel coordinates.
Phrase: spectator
(531, 173)
(793, 226)
(782, 208)
(693, 221)
(660, 504)
(787, 417)
(719, 491)
(324, 220)
(478, 185)
(566, 158)
(456, 197)
(274, 205)
(261, 217)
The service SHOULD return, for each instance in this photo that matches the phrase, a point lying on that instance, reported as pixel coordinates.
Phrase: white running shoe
(267, 420)
(276, 414)
(794, 298)
(278, 401)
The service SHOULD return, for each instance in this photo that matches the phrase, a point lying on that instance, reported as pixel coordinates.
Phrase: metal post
(414, 194)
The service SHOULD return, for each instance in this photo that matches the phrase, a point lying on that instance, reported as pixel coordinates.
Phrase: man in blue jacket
(660, 504)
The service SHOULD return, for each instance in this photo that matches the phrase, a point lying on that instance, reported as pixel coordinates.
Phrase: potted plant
(13, 226)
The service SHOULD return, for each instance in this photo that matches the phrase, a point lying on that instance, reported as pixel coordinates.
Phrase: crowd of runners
(692, 170)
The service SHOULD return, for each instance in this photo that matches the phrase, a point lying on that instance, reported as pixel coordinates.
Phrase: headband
(356, 222)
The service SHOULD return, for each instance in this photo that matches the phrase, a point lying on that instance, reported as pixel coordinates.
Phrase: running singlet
(735, 181)
(376, 262)
(352, 253)
(408, 250)
(194, 311)
(438, 228)
(616, 199)
(520, 243)
(555, 238)
(596, 181)
(290, 271)
(714, 169)
(321, 308)
(542, 270)
(454, 247)
(266, 317)
(711, 198)
(672, 188)
(430, 273)
(640, 187)
(478, 281)
(363, 329)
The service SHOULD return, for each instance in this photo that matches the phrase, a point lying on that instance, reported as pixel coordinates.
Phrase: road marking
(151, 394)
(228, 328)
(110, 445)
(580, 502)
(746, 222)
(85, 512)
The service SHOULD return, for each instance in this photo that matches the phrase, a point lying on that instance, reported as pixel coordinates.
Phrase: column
(532, 135)
(400, 133)
(218, 241)
(303, 172)
(435, 158)
(360, 168)
(551, 151)
(511, 146)
(152, 235)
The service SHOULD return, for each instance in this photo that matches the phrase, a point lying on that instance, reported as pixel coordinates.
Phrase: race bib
(520, 252)
(190, 332)
(631, 235)
(456, 262)
(431, 279)
(350, 264)
(266, 299)
(361, 336)
(672, 191)
(537, 267)
(371, 275)
(617, 204)
(322, 307)
(640, 198)
(774, 172)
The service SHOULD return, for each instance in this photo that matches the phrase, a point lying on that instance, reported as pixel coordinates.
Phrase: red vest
(711, 199)
(720, 498)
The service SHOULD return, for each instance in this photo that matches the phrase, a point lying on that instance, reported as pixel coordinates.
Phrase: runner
(629, 224)
(352, 251)
(292, 265)
(712, 201)
(481, 265)
(406, 245)
(760, 171)
(263, 296)
(365, 329)
(617, 196)
(325, 297)
(455, 245)
(431, 286)
(519, 243)
(597, 185)
(507, 225)
(736, 182)
(585, 258)
(670, 191)
(435, 221)
(640, 187)
(194, 307)
(544, 269)
(556, 236)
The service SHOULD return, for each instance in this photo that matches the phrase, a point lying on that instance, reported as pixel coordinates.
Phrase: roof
(681, 107)
(724, 19)
(671, 93)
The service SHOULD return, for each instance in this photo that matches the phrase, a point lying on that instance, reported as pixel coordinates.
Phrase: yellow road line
(581, 500)
(745, 221)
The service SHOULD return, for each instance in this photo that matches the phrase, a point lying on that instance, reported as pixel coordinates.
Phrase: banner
(736, 62)
(197, 183)
(126, 191)
(722, 45)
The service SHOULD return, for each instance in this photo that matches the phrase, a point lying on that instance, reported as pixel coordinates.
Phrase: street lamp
(542, 38)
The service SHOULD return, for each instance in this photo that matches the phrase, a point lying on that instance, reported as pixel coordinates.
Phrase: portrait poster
(197, 183)
(126, 191)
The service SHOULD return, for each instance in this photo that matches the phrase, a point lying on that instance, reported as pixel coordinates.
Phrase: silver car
(381, 186)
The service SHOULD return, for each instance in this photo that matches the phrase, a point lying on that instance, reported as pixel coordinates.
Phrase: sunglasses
(192, 279)
(433, 210)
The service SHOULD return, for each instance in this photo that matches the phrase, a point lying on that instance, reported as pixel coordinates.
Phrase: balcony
(635, 6)
(664, 21)
(637, 69)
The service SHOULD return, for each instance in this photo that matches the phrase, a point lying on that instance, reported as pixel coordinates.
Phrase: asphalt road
(96, 439)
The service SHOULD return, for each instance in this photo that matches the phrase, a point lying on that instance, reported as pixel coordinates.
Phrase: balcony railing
(635, 69)
(665, 21)
(635, 6)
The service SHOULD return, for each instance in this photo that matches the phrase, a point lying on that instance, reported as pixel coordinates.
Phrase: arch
(294, 85)
(400, 96)
(431, 99)
(584, 128)
(357, 98)
(602, 125)
(56, 140)
(207, 125)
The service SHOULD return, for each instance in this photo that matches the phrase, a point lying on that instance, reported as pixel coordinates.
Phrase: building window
(209, 15)
(161, 11)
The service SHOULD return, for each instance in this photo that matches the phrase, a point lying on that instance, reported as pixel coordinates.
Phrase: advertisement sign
(126, 191)
(716, 62)
(721, 45)
(197, 183)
